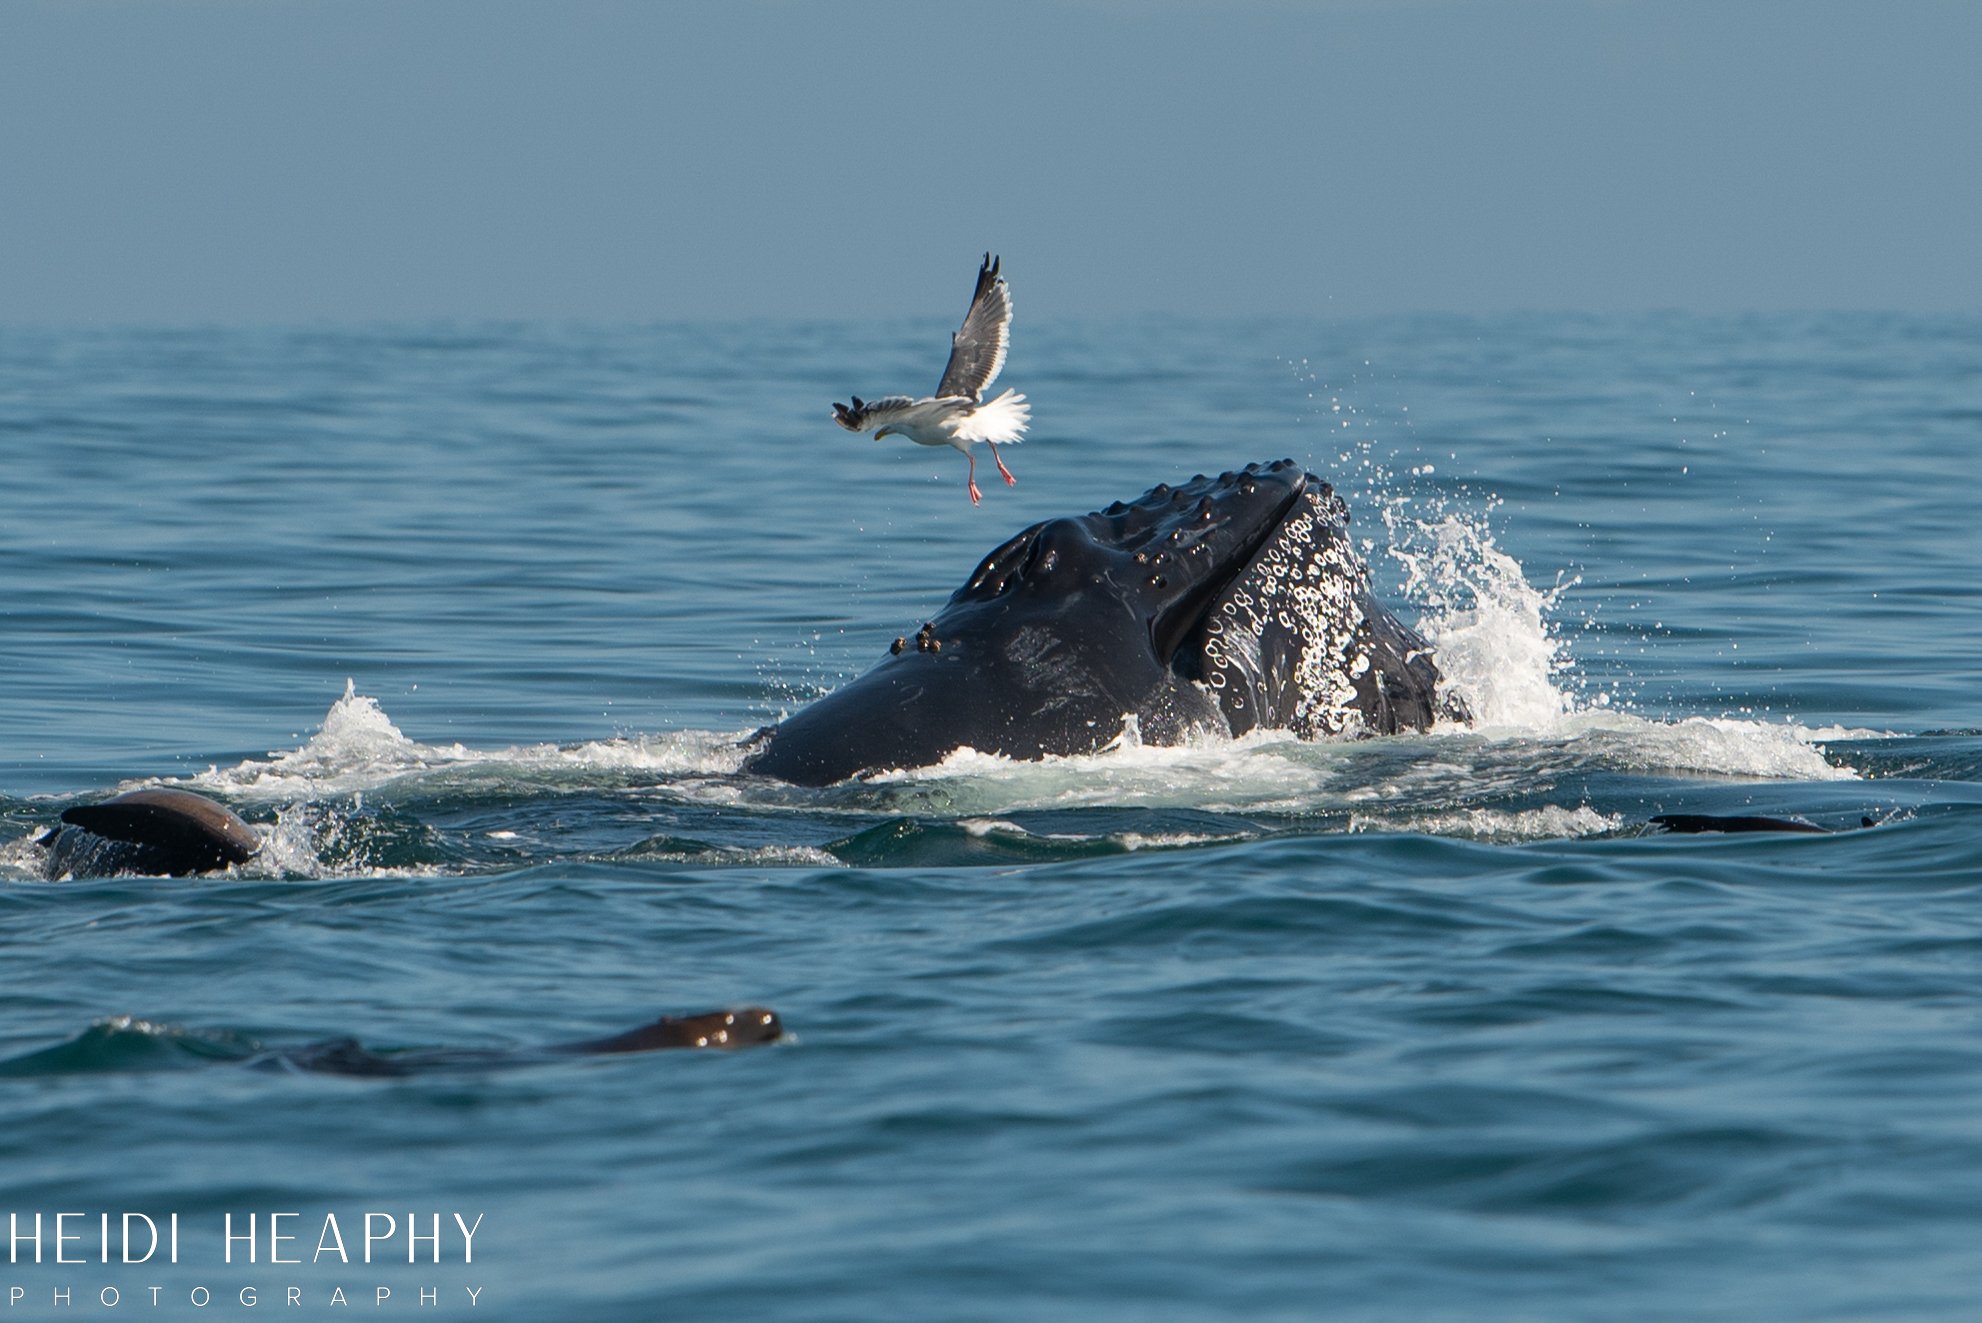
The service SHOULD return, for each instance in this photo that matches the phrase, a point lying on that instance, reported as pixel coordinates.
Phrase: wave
(358, 749)
(126, 1043)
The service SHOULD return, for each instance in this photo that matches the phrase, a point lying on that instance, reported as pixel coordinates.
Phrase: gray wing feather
(977, 350)
(869, 413)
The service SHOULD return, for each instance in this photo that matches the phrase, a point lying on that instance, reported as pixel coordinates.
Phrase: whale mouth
(1177, 631)
(1294, 641)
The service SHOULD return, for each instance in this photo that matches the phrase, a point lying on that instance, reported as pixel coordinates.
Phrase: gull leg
(1010, 481)
(975, 495)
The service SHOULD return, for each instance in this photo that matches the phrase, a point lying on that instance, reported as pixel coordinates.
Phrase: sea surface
(468, 620)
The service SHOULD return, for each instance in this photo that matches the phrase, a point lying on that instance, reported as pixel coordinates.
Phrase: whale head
(1160, 560)
(1214, 606)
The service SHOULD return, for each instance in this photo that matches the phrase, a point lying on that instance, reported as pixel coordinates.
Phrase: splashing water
(1500, 644)
(1491, 627)
(1492, 631)
(359, 749)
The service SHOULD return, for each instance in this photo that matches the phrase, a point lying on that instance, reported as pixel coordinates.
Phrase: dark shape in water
(719, 1030)
(126, 1045)
(1219, 606)
(1692, 823)
(159, 833)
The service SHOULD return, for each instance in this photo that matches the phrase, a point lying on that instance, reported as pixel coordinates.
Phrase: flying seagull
(958, 414)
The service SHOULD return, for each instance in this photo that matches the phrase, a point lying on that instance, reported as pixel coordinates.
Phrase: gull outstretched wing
(977, 350)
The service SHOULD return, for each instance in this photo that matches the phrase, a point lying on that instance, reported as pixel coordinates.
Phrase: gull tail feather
(1001, 421)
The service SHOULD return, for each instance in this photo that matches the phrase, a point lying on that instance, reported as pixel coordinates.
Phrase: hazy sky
(300, 160)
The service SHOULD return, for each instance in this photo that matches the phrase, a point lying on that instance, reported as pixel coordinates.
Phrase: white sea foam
(1491, 628)
(1131, 840)
(1172, 840)
(983, 827)
(1499, 644)
(1547, 823)
(20, 860)
(1211, 773)
(133, 1024)
(754, 856)
(358, 749)
(1716, 746)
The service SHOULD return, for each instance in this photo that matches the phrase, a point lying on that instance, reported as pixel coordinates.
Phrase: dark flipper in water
(1708, 822)
(159, 833)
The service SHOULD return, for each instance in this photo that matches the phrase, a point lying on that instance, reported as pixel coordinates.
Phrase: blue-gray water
(1413, 1029)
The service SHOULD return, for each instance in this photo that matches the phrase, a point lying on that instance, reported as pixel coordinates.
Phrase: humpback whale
(1215, 607)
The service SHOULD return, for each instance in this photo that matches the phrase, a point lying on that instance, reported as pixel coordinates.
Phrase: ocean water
(469, 618)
